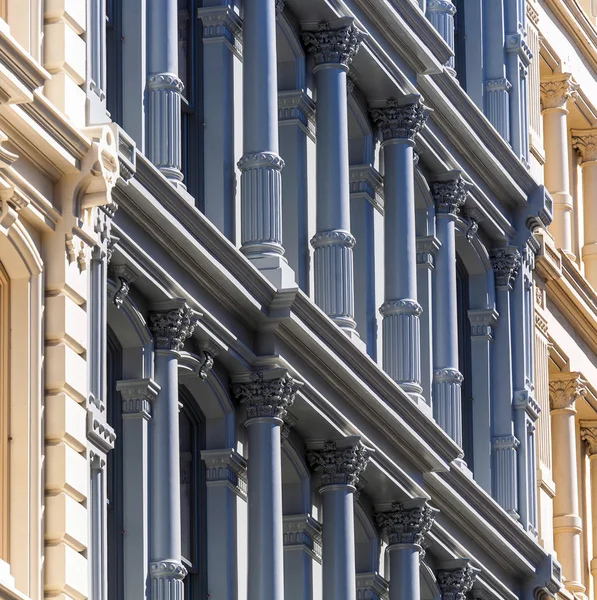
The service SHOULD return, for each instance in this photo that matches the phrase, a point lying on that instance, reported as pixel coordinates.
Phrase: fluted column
(332, 46)
(564, 390)
(406, 526)
(399, 122)
(555, 93)
(585, 141)
(340, 463)
(449, 195)
(588, 432)
(267, 395)
(505, 263)
(261, 165)
(171, 322)
(164, 89)
(456, 581)
(441, 14)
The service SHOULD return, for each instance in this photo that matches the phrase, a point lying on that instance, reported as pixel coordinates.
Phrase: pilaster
(441, 14)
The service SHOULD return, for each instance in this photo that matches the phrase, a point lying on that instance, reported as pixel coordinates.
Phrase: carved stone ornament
(556, 92)
(400, 120)
(565, 390)
(165, 81)
(171, 323)
(449, 196)
(334, 237)
(333, 42)
(340, 462)
(585, 141)
(403, 306)
(588, 433)
(441, 6)
(265, 397)
(505, 262)
(456, 583)
(125, 276)
(407, 523)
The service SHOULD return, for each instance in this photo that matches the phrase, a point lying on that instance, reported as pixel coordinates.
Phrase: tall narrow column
(340, 463)
(406, 526)
(261, 166)
(266, 395)
(588, 432)
(441, 14)
(585, 141)
(455, 579)
(505, 263)
(171, 323)
(399, 122)
(555, 93)
(449, 195)
(333, 45)
(564, 390)
(164, 89)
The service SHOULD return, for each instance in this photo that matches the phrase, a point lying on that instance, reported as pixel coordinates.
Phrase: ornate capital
(449, 195)
(333, 42)
(585, 141)
(404, 306)
(266, 396)
(408, 522)
(334, 237)
(557, 90)
(171, 570)
(165, 81)
(340, 462)
(588, 433)
(171, 323)
(455, 584)
(565, 390)
(505, 263)
(400, 119)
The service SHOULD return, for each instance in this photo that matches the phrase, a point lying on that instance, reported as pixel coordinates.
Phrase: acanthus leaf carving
(335, 43)
(506, 263)
(565, 390)
(171, 323)
(340, 462)
(400, 119)
(407, 522)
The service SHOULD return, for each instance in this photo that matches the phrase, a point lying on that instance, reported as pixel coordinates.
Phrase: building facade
(284, 313)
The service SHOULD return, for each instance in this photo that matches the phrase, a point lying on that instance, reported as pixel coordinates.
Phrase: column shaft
(441, 14)
(588, 432)
(405, 580)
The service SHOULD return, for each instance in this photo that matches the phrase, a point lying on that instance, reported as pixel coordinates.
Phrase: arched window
(464, 358)
(192, 495)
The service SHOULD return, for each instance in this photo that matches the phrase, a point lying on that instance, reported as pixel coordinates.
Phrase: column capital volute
(266, 393)
(400, 118)
(407, 522)
(334, 42)
(506, 263)
(556, 90)
(455, 579)
(449, 191)
(171, 322)
(565, 389)
(585, 141)
(588, 433)
(340, 462)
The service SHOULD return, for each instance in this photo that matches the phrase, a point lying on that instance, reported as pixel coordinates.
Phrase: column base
(276, 270)
(167, 580)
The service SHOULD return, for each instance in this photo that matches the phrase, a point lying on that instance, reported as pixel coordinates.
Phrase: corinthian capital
(266, 394)
(455, 584)
(340, 462)
(505, 263)
(408, 522)
(588, 433)
(585, 141)
(556, 90)
(449, 193)
(333, 42)
(171, 323)
(401, 118)
(565, 389)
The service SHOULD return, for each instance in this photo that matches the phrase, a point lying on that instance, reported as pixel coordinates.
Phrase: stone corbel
(125, 277)
(11, 202)
(200, 362)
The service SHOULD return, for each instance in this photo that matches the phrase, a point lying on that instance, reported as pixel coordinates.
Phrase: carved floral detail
(397, 121)
(266, 398)
(586, 143)
(505, 262)
(555, 93)
(449, 196)
(338, 45)
(455, 584)
(406, 525)
(566, 390)
(340, 462)
(588, 433)
(172, 326)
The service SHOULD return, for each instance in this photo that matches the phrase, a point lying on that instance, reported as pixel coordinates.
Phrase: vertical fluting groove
(447, 395)
(505, 475)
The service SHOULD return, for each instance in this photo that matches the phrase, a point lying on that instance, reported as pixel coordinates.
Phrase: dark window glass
(460, 42)
(114, 60)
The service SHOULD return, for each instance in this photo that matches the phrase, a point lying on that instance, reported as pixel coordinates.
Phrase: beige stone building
(564, 150)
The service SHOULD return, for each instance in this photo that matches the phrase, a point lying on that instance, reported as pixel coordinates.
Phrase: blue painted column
(164, 89)
(261, 165)
(399, 122)
(506, 263)
(333, 45)
(449, 194)
(171, 323)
